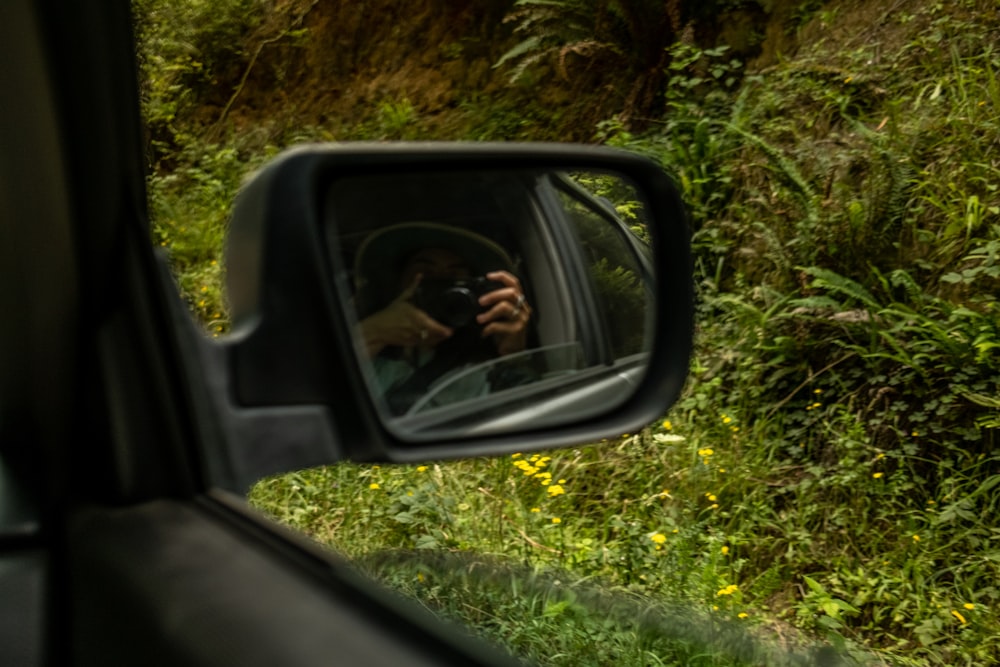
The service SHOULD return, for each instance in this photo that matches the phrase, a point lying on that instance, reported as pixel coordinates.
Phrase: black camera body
(454, 302)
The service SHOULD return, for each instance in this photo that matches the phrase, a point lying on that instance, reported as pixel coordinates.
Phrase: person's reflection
(435, 300)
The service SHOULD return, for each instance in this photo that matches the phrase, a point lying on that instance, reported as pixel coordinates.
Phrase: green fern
(838, 284)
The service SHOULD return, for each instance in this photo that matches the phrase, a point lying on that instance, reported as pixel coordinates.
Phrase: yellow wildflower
(916, 538)
(959, 617)
(969, 606)
(421, 468)
(555, 490)
(659, 538)
(725, 551)
(878, 475)
(667, 426)
(373, 486)
(728, 590)
(742, 614)
(556, 519)
(536, 509)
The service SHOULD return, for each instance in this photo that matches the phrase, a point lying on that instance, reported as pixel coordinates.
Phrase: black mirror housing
(294, 340)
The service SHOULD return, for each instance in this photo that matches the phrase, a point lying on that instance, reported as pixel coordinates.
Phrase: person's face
(434, 264)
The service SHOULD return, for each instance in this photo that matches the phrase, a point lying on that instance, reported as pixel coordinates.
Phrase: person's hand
(401, 324)
(507, 314)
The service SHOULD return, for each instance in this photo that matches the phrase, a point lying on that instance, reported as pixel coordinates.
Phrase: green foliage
(187, 48)
(624, 300)
(591, 514)
(865, 372)
(563, 622)
(635, 47)
(393, 121)
(189, 208)
(555, 29)
(830, 473)
(697, 138)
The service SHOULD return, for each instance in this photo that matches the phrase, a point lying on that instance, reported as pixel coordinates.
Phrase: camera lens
(459, 307)
(454, 303)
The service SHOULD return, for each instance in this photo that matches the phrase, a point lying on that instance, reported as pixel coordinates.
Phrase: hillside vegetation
(831, 472)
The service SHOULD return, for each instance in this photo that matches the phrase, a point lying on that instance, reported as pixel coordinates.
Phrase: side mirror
(445, 300)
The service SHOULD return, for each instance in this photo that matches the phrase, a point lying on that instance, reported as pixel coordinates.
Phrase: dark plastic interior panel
(22, 595)
(168, 583)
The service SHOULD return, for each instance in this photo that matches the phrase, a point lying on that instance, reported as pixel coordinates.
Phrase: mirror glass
(493, 301)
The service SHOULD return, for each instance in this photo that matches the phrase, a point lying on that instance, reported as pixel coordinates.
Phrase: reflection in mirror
(488, 302)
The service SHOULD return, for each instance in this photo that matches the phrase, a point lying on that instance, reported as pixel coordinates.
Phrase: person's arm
(401, 324)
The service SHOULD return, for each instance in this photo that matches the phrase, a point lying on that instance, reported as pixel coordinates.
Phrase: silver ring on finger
(517, 306)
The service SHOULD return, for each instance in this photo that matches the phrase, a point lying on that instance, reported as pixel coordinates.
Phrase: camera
(453, 302)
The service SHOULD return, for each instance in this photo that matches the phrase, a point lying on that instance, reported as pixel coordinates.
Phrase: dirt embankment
(333, 65)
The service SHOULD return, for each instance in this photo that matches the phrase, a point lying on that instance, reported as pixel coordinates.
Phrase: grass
(830, 475)
(788, 549)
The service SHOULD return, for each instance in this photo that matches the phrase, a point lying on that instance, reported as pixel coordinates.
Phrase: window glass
(615, 272)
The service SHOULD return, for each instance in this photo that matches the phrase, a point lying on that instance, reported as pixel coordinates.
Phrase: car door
(113, 547)
(123, 436)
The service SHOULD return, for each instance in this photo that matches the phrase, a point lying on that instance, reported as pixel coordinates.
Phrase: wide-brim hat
(381, 255)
